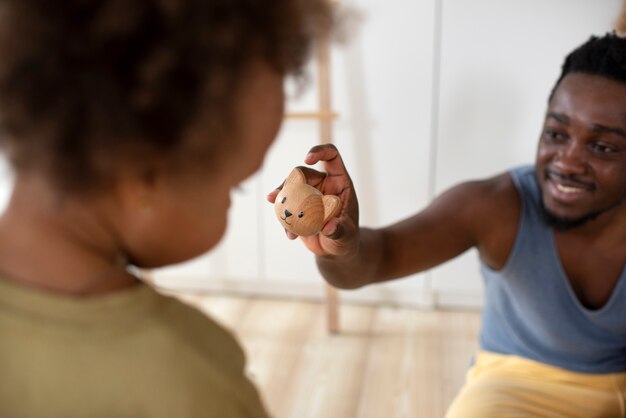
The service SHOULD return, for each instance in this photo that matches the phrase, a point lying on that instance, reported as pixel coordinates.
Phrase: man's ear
(296, 177)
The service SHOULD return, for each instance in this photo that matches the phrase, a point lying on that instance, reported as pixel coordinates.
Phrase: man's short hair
(603, 56)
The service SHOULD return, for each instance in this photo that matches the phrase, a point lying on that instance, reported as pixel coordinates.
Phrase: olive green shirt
(132, 353)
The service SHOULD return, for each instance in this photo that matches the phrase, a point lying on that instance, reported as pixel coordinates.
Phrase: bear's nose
(287, 213)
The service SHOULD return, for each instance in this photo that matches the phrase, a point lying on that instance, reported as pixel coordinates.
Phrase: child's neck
(63, 246)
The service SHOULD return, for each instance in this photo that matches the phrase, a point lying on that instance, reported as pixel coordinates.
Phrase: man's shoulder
(493, 210)
(476, 204)
(496, 193)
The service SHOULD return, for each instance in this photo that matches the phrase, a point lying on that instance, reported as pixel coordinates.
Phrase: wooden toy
(301, 208)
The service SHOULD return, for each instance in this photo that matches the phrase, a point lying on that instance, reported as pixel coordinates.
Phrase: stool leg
(323, 57)
(620, 24)
(332, 309)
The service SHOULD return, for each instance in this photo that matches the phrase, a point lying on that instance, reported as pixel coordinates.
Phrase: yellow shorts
(500, 386)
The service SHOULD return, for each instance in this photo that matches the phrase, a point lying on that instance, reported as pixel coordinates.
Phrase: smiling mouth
(285, 220)
(568, 185)
(569, 189)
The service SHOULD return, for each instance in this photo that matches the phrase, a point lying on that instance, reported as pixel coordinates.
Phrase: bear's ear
(296, 177)
(331, 206)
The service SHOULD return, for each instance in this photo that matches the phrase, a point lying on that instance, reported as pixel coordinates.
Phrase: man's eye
(602, 148)
(283, 200)
(553, 135)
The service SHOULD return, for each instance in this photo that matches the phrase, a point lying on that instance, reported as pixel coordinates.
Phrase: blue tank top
(531, 309)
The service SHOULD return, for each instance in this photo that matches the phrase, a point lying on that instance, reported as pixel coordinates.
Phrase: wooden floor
(386, 362)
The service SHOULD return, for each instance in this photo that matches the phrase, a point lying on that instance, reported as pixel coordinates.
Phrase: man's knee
(485, 401)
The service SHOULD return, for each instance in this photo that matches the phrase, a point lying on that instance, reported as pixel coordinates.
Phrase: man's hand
(340, 235)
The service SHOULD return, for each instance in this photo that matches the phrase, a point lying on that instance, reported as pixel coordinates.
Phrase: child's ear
(296, 177)
(331, 206)
(137, 186)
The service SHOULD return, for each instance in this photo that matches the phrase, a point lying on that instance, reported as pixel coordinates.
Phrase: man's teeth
(568, 189)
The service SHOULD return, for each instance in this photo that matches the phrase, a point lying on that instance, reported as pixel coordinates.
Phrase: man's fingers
(329, 154)
(330, 228)
(313, 177)
(324, 152)
(271, 197)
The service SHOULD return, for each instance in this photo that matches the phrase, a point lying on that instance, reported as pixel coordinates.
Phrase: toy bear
(301, 208)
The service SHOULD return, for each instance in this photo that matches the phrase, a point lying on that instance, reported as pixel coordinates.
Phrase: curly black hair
(88, 80)
(603, 56)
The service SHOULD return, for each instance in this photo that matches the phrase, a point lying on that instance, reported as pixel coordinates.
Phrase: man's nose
(572, 158)
(287, 213)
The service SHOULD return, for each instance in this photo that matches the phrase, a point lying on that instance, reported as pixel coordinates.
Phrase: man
(551, 239)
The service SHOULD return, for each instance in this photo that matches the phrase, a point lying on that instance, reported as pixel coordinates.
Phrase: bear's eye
(283, 200)
(301, 214)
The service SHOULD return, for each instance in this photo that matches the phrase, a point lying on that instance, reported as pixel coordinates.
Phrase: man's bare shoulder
(493, 210)
(485, 196)
(495, 191)
(480, 213)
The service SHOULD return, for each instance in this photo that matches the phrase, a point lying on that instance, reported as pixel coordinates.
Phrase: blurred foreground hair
(85, 84)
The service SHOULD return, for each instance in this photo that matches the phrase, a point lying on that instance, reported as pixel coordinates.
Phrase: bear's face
(302, 209)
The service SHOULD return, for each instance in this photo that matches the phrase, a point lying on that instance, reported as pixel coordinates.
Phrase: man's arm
(473, 214)
(481, 214)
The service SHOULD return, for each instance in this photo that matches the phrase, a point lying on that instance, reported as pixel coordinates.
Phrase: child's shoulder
(197, 331)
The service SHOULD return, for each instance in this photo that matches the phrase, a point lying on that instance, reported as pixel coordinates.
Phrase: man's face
(581, 157)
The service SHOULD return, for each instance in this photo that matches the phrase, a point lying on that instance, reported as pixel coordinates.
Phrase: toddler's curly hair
(86, 81)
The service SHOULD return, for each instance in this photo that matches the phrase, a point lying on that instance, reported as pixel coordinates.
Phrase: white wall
(430, 93)
(6, 183)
